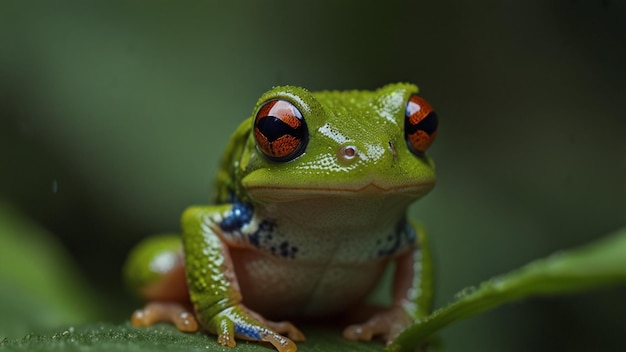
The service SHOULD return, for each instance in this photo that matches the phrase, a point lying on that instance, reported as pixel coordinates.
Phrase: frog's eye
(280, 130)
(420, 124)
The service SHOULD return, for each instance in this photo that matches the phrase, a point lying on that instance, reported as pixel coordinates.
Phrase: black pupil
(428, 124)
(273, 128)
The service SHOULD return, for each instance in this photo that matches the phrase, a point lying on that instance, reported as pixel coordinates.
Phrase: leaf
(601, 263)
(164, 337)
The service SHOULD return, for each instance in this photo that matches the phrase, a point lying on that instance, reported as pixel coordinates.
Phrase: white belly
(282, 288)
(319, 257)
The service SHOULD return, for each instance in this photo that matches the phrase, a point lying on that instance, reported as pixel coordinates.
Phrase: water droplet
(465, 292)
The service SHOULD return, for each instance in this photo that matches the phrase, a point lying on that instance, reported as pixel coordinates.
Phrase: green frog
(310, 208)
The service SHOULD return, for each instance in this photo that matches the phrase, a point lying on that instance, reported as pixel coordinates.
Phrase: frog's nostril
(347, 153)
(392, 148)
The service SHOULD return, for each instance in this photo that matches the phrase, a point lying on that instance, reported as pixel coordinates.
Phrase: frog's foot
(156, 312)
(281, 327)
(387, 324)
(286, 328)
(239, 322)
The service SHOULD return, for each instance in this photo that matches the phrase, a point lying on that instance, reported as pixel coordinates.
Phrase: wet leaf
(164, 337)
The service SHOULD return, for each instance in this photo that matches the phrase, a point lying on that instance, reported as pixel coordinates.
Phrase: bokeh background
(113, 116)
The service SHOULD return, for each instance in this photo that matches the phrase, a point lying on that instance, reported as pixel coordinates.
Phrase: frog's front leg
(213, 286)
(412, 295)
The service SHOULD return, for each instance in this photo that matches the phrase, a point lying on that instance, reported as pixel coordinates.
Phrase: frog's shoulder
(227, 178)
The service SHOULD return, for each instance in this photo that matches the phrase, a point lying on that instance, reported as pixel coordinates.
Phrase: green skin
(317, 233)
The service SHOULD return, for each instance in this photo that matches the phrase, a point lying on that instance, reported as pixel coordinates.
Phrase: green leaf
(164, 337)
(599, 264)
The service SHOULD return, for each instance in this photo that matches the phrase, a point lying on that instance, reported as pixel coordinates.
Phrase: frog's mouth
(279, 193)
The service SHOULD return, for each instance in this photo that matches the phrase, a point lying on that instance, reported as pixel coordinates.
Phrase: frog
(310, 209)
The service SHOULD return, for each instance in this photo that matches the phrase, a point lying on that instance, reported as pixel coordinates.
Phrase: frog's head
(331, 143)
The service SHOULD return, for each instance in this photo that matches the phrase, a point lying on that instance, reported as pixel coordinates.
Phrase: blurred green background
(113, 116)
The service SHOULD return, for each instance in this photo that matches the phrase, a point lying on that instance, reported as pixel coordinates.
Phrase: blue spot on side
(409, 233)
(247, 330)
(240, 215)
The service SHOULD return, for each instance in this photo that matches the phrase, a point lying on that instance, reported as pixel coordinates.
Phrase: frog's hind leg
(155, 271)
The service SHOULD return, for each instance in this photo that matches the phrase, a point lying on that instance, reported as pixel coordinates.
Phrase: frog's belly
(285, 288)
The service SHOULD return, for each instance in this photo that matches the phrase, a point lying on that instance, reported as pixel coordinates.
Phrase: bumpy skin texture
(310, 209)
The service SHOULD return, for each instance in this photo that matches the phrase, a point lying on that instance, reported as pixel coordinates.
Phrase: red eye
(280, 130)
(420, 124)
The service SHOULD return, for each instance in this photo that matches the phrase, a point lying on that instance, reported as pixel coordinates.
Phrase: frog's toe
(281, 343)
(156, 312)
(387, 324)
(358, 332)
(281, 327)
(185, 321)
(287, 328)
(226, 338)
(250, 330)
